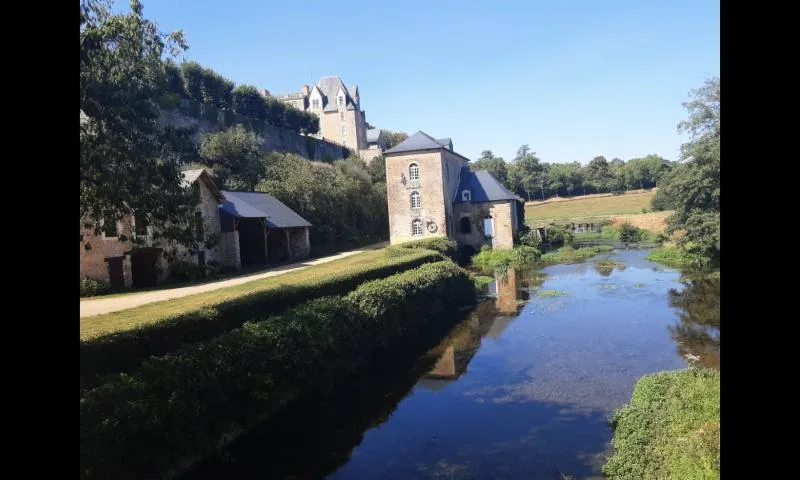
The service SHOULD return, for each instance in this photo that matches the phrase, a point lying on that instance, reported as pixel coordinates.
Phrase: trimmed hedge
(184, 405)
(124, 351)
(443, 245)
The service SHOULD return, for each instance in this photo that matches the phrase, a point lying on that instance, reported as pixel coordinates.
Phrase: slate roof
(373, 134)
(262, 205)
(418, 141)
(329, 86)
(483, 187)
(445, 142)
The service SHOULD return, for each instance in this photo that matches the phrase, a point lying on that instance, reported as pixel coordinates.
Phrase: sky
(571, 79)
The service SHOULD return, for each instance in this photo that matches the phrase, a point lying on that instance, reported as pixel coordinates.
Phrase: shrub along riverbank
(182, 406)
(124, 351)
(670, 429)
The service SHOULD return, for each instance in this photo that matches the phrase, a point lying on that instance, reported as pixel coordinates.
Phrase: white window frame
(466, 195)
(414, 224)
(415, 195)
(412, 169)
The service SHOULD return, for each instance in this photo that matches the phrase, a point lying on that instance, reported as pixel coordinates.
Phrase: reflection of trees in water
(315, 435)
(697, 332)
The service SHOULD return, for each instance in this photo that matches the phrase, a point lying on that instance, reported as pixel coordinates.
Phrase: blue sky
(572, 79)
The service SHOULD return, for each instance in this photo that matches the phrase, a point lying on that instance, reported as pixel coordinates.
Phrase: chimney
(265, 92)
(305, 90)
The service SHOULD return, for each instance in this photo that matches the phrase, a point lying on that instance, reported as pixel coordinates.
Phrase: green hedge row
(119, 352)
(443, 245)
(179, 406)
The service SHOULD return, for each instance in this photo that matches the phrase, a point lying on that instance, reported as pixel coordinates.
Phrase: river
(520, 389)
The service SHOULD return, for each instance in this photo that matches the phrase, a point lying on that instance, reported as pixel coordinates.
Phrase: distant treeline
(191, 80)
(532, 179)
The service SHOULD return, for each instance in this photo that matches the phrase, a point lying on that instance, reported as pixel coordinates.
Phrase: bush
(490, 260)
(529, 237)
(124, 351)
(181, 405)
(443, 245)
(670, 429)
(91, 287)
(558, 235)
(183, 271)
(572, 255)
(678, 258)
(629, 233)
(661, 202)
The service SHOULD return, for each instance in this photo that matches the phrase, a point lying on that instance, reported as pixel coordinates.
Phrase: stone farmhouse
(239, 229)
(431, 192)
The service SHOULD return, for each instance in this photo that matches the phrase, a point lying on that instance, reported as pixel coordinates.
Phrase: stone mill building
(432, 192)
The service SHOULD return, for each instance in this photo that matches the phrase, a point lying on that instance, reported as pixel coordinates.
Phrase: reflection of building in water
(507, 292)
(489, 319)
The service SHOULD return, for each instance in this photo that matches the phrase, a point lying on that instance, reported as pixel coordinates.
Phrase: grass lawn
(578, 207)
(670, 429)
(91, 327)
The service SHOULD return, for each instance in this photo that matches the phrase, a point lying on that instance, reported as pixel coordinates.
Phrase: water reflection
(515, 390)
(489, 319)
(697, 331)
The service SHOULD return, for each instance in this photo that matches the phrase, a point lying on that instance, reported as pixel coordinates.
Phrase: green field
(591, 206)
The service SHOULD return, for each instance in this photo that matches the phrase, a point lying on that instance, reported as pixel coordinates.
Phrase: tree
(598, 174)
(394, 138)
(529, 172)
(234, 155)
(694, 188)
(377, 169)
(129, 162)
(494, 165)
(249, 103)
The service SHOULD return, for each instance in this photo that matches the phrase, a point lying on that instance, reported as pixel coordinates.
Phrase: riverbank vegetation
(180, 406)
(119, 341)
(670, 429)
(490, 260)
(675, 257)
(692, 188)
(573, 255)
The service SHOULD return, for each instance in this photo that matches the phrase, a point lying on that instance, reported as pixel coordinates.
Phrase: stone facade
(430, 201)
(94, 263)
(504, 225)
(299, 245)
(434, 199)
(341, 119)
(96, 248)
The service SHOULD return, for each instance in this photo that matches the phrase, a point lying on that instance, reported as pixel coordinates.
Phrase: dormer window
(315, 103)
(466, 195)
(413, 172)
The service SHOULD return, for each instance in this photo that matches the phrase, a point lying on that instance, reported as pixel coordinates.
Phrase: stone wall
(433, 208)
(189, 113)
(501, 213)
(299, 246)
(93, 264)
(229, 250)
(369, 154)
